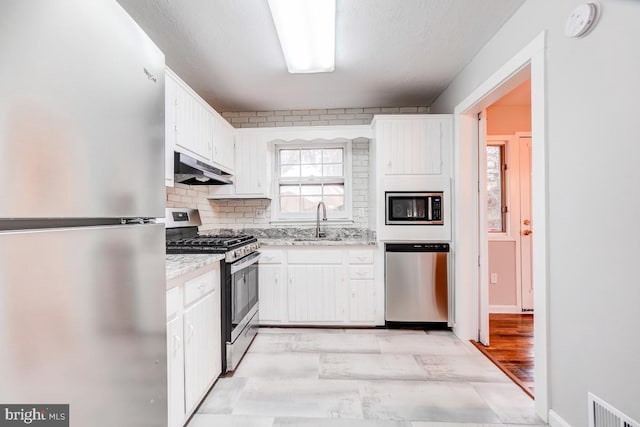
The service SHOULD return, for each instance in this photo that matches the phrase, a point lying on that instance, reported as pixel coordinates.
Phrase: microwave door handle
(429, 209)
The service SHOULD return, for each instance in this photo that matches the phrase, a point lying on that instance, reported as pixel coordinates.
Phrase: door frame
(468, 239)
(513, 226)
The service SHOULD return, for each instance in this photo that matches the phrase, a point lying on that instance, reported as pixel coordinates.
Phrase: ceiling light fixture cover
(307, 33)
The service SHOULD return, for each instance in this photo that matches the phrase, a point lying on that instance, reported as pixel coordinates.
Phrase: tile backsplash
(256, 213)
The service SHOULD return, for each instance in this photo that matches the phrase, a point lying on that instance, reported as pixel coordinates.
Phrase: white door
(526, 230)
(483, 241)
(175, 368)
(202, 347)
(272, 294)
(316, 293)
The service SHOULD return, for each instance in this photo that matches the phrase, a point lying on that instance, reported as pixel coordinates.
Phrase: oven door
(244, 292)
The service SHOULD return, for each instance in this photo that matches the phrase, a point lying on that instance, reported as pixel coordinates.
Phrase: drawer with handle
(271, 257)
(361, 272)
(198, 287)
(174, 301)
(360, 257)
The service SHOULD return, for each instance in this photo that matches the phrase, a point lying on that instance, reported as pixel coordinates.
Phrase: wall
(322, 117)
(240, 214)
(502, 261)
(592, 148)
(508, 119)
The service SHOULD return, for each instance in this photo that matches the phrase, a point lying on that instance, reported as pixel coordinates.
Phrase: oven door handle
(246, 262)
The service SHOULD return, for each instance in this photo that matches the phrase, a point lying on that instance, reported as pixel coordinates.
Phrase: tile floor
(364, 378)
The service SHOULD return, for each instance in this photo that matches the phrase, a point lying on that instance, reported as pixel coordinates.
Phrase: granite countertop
(177, 265)
(305, 236)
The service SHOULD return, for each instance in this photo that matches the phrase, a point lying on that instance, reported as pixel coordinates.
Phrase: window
(308, 174)
(496, 189)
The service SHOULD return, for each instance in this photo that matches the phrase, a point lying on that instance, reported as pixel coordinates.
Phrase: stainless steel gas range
(239, 278)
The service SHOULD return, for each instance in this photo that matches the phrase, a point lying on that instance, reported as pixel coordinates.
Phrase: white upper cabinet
(223, 142)
(413, 144)
(252, 171)
(252, 178)
(194, 128)
(194, 131)
(170, 91)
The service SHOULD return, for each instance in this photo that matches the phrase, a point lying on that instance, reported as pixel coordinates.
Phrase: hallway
(511, 347)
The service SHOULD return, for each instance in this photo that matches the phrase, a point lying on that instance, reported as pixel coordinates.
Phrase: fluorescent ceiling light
(307, 33)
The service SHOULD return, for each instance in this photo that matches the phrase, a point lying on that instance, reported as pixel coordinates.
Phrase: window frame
(505, 187)
(346, 216)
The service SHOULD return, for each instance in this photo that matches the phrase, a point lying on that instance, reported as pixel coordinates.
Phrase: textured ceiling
(388, 52)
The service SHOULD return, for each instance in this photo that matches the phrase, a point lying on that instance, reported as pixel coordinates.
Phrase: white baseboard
(556, 421)
(508, 309)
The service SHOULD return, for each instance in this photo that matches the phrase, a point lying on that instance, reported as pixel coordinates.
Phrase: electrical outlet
(494, 278)
(260, 213)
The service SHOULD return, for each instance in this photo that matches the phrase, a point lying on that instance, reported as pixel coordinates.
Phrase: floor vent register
(602, 414)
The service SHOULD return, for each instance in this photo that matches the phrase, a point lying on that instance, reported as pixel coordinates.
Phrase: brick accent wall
(320, 117)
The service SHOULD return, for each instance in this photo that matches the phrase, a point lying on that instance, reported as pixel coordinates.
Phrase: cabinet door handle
(190, 334)
(177, 344)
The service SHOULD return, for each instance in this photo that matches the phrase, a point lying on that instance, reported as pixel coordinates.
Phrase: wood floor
(511, 347)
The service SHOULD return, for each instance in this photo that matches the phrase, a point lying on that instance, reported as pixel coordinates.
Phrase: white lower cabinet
(201, 348)
(316, 293)
(318, 286)
(272, 293)
(175, 362)
(362, 301)
(193, 340)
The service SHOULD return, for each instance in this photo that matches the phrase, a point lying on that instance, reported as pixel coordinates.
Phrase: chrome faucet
(324, 218)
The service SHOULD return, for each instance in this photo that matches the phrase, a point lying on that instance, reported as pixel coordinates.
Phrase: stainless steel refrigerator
(82, 270)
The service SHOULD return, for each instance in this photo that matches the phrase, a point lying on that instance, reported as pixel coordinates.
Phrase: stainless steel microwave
(409, 208)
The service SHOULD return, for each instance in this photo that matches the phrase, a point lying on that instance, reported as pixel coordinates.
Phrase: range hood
(190, 171)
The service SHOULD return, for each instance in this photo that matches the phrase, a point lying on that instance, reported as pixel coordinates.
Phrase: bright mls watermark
(34, 415)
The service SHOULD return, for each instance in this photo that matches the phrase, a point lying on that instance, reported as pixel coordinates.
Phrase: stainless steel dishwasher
(417, 282)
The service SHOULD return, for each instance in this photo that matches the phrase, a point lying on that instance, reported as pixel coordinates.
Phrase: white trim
(556, 420)
(530, 61)
(509, 309)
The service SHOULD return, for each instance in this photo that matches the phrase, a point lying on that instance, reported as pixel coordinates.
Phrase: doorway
(505, 162)
(471, 258)
(507, 170)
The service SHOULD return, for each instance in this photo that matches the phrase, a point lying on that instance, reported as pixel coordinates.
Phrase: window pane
(289, 157)
(312, 190)
(311, 156)
(332, 155)
(495, 188)
(289, 171)
(334, 203)
(311, 170)
(310, 203)
(330, 190)
(332, 170)
(289, 204)
(289, 190)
